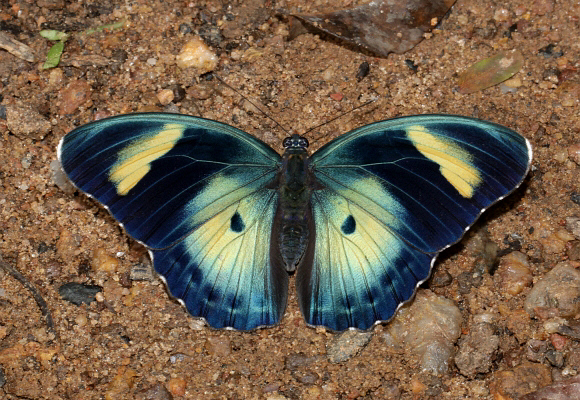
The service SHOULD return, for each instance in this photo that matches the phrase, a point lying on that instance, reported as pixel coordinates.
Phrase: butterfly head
(295, 142)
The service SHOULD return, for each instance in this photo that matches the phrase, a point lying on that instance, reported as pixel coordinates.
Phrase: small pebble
(165, 96)
(275, 396)
(569, 93)
(219, 347)
(523, 379)
(271, 387)
(501, 14)
(25, 122)
(550, 51)
(485, 317)
(113, 291)
(562, 390)
(102, 261)
(363, 70)
(3, 332)
(307, 378)
(67, 245)
(514, 82)
(142, 272)
(536, 350)
(573, 226)
(346, 345)
(60, 179)
(559, 288)
(178, 92)
(121, 383)
(78, 293)
(177, 386)
(573, 251)
(417, 387)
(81, 320)
(556, 242)
(514, 273)
(73, 96)
(185, 28)
(197, 54)
(55, 77)
(336, 96)
(175, 358)
(156, 392)
(574, 153)
(197, 324)
(555, 358)
(558, 341)
(428, 328)
(507, 89)
(477, 350)
(201, 91)
(569, 328)
(440, 278)
(468, 279)
(298, 360)
(542, 7)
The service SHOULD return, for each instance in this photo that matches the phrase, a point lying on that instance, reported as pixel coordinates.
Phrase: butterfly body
(293, 213)
(360, 221)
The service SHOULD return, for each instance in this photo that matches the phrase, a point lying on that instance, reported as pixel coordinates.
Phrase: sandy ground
(138, 343)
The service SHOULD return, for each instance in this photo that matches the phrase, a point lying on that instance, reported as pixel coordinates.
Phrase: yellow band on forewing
(455, 163)
(134, 161)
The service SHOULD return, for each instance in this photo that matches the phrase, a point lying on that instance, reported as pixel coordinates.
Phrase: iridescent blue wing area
(392, 195)
(195, 192)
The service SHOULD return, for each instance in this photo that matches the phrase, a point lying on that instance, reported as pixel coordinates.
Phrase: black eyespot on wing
(237, 223)
(349, 225)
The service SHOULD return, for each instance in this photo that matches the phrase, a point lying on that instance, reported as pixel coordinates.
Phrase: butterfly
(361, 221)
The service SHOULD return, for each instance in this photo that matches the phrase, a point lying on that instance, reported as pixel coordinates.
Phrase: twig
(16, 48)
(37, 297)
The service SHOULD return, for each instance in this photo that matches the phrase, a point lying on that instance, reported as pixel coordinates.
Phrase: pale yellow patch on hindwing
(359, 251)
(455, 163)
(134, 161)
(221, 251)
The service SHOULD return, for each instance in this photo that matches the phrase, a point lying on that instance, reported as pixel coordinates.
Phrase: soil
(135, 341)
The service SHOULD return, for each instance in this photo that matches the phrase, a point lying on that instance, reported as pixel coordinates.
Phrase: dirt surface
(134, 341)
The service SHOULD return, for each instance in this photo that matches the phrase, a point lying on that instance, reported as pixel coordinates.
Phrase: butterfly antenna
(252, 103)
(341, 115)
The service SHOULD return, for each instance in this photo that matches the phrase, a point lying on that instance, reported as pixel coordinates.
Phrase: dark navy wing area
(395, 193)
(194, 191)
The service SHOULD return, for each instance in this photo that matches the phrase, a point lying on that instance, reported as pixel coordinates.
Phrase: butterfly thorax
(294, 189)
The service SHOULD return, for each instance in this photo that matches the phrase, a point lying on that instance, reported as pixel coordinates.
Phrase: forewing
(194, 192)
(396, 193)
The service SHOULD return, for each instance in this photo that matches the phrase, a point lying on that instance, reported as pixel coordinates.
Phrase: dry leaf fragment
(491, 71)
(380, 26)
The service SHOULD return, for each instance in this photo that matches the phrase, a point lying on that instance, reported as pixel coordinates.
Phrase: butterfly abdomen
(293, 242)
(293, 207)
